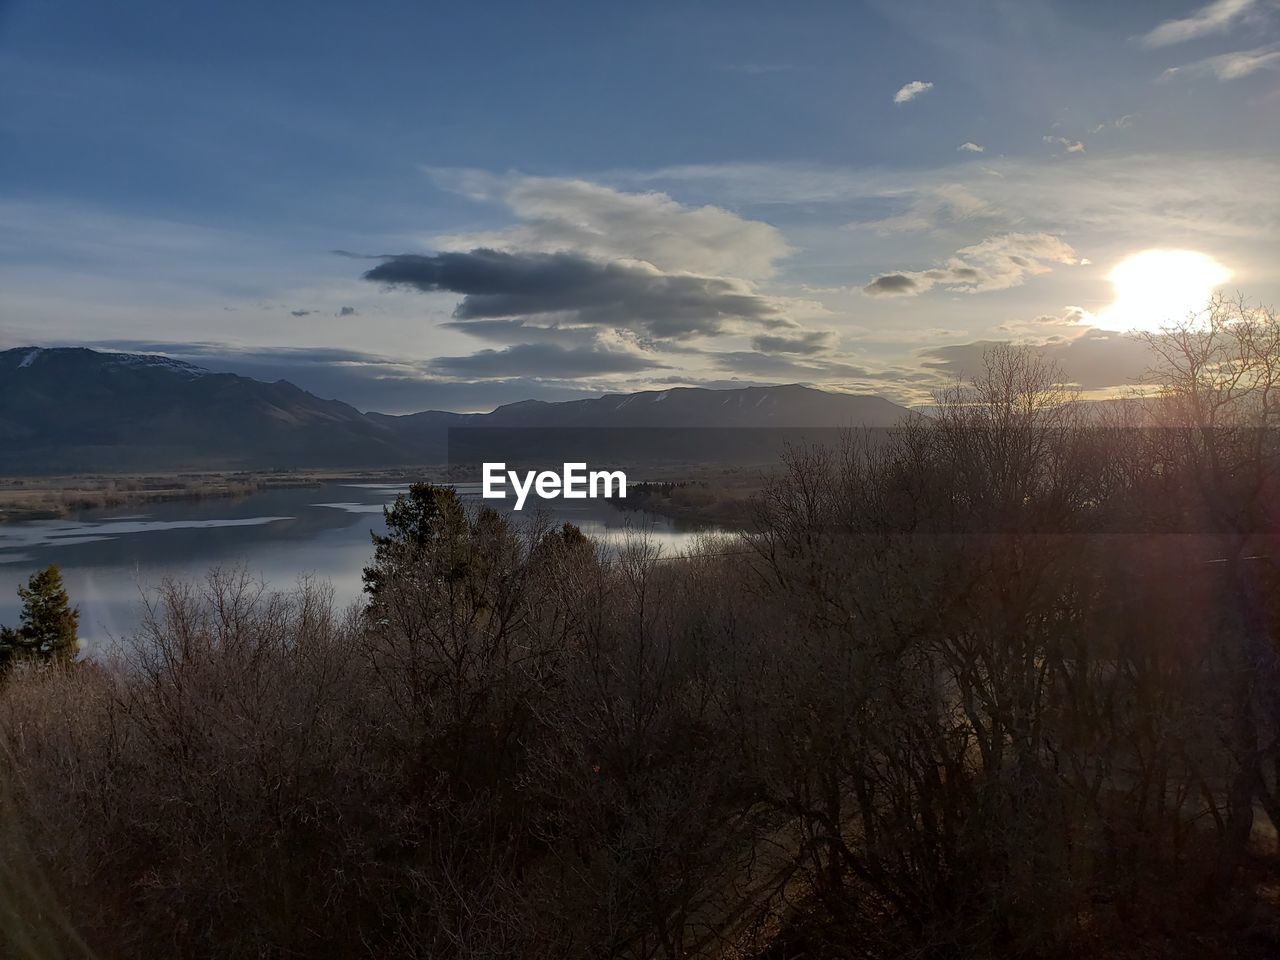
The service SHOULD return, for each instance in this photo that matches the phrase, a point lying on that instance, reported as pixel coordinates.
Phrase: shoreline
(24, 499)
(688, 493)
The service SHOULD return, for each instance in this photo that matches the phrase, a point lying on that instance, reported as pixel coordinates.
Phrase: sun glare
(1157, 287)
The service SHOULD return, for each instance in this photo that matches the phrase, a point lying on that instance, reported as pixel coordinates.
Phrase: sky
(416, 205)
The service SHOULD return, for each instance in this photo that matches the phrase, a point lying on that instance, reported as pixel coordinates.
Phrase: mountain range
(76, 410)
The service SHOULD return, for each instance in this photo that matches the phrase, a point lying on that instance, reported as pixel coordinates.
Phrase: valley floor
(49, 498)
(695, 493)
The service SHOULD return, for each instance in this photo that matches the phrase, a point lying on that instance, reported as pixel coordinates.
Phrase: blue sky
(577, 198)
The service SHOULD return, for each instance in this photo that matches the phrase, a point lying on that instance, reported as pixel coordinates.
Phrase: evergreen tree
(47, 630)
(426, 514)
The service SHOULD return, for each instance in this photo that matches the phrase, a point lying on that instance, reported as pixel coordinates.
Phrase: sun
(1157, 287)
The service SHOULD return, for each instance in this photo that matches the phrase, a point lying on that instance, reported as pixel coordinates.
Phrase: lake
(109, 557)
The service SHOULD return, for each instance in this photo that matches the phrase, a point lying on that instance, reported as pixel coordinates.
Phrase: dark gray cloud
(891, 285)
(542, 360)
(810, 343)
(1095, 360)
(302, 313)
(568, 288)
(347, 312)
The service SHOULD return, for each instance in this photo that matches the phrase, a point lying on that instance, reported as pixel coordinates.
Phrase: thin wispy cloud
(1190, 196)
(1119, 123)
(1230, 66)
(997, 263)
(945, 205)
(970, 147)
(1067, 144)
(1051, 323)
(1216, 17)
(911, 90)
(543, 361)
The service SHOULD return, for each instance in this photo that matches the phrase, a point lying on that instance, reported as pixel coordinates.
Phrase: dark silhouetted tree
(413, 522)
(47, 630)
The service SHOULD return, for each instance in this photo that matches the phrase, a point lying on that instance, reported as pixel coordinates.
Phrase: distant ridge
(76, 410)
(790, 405)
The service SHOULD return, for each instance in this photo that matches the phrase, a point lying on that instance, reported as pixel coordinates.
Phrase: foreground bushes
(518, 760)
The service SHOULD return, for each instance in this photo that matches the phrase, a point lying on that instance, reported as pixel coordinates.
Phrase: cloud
(541, 360)
(824, 370)
(1071, 316)
(347, 312)
(810, 343)
(948, 203)
(1230, 66)
(302, 313)
(508, 330)
(595, 281)
(1119, 123)
(568, 289)
(1185, 197)
(1093, 360)
(996, 263)
(893, 285)
(970, 147)
(1215, 17)
(912, 90)
(565, 214)
(1071, 146)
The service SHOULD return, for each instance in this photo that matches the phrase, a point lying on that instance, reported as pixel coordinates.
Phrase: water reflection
(110, 558)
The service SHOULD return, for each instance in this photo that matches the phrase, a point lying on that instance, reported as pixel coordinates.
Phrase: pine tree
(413, 522)
(48, 626)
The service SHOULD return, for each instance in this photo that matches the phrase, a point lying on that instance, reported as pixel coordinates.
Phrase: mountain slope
(76, 410)
(73, 409)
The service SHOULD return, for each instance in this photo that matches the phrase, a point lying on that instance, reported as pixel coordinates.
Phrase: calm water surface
(109, 558)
